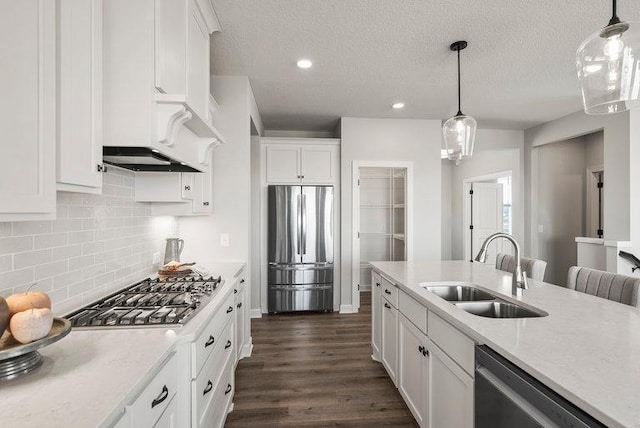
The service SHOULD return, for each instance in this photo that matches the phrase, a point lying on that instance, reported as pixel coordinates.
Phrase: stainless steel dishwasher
(507, 397)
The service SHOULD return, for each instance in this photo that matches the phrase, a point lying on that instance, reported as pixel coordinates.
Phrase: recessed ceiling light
(398, 105)
(304, 63)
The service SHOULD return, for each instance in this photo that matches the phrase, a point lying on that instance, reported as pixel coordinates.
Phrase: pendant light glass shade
(608, 66)
(459, 132)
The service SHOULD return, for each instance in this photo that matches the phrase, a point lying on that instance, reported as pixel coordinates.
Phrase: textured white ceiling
(518, 71)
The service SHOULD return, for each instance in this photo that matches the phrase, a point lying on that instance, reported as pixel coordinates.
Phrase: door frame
(591, 196)
(466, 215)
(355, 221)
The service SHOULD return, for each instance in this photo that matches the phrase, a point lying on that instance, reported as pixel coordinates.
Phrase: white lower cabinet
(390, 338)
(376, 309)
(414, 370)
(451, 392)
(169, 418)
(433, 371)
(240, 300)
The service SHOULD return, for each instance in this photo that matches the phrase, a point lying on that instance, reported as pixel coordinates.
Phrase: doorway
(382, 218)
(488, 209)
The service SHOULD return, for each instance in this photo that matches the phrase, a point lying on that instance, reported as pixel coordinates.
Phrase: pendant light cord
(614, 17)
(459, 108)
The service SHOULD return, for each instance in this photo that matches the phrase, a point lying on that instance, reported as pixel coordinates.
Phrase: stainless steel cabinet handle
(387, 291)
(228, 390)
(235, 291)
(299, 226)
(228, 345)
(208, 388)
(230, 309)
(163, 396)
(209, 342)
(386, 305)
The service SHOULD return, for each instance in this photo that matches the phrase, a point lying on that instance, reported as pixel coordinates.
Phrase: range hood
(142, 159)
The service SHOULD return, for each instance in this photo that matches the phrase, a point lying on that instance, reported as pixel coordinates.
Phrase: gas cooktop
(148, 303)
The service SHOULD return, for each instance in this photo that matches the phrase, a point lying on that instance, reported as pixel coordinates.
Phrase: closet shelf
(398, 236)
(398, 205)
(375, 205)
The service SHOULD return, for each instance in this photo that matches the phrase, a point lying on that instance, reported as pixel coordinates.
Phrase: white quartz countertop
(587, 349)
(89, 376)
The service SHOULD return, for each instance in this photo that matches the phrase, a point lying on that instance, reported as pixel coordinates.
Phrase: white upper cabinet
(156, 77)
(304, 161)
(79, 143)
(28, 109)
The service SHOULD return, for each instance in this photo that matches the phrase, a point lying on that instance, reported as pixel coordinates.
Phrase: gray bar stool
(611, 286)
(533, 267)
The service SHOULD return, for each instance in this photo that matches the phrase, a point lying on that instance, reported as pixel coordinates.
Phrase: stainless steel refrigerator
(300, 236)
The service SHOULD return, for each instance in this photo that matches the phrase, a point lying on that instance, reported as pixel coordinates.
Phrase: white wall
(594, 149)
(97, 244)
(561, 205)
(231, 182)
(617, 165)
(417, 141)
(495, 151)
(446, 208)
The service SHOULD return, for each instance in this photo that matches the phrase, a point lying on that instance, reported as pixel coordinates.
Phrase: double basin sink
(481, 303)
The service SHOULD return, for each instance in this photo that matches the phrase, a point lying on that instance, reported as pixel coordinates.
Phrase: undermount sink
(498, 309)
(459, 293)
(479, 302)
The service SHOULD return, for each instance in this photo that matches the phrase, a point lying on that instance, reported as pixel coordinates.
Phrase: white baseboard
(256, 313)
(247, 349)
(365, 287)
(346, 309)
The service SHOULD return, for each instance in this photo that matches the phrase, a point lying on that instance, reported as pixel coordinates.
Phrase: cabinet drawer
(216, 414)
(155, 398)
(208, 380)
(209, 338)
(414, 311)
(453, 342)
(390, 291)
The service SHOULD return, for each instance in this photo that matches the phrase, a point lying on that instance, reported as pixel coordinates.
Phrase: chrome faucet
(519, 278)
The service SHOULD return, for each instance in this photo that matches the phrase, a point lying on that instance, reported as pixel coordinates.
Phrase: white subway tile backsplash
(66, 252)
(50, 240)
(16, 244)
(31, 258)
(31, 227)
(97, 244)
(6, 263)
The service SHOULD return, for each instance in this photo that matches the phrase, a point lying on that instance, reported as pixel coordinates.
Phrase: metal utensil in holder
(17, 359)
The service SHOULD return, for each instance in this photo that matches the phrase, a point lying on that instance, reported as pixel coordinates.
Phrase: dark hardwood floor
(315, 370)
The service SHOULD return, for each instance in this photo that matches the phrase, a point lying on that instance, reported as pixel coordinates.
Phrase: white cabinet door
(413, 370)
(376, 314)
(283, 164)
(28, 109)
(79, 95)
(451, 398)
(202, 193)
(390, 339)
(318, 164)
(169, 418)
(240, 317)
(170, 46)
(197, 61)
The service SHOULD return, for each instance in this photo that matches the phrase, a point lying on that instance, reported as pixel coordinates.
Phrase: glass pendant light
(609, 69)
(459, 132)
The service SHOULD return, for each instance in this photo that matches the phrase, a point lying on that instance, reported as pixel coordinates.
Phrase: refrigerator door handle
(299, 226)
(304, 225)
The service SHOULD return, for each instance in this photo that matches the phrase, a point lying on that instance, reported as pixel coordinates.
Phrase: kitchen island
(90, 376)
(586, 349)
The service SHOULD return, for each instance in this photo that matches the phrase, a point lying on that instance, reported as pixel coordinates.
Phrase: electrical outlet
(156, 259)
(224, 239)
